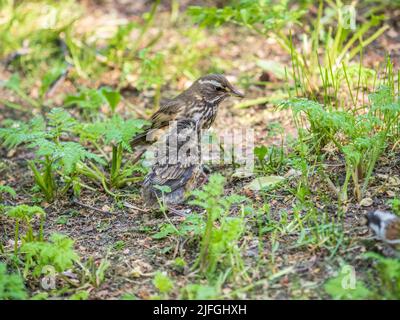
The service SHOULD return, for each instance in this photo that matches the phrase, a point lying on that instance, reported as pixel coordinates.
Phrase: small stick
(91, 207)
(131, 206)
(57, 82)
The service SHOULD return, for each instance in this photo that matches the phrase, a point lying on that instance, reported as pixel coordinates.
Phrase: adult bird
(199, 103)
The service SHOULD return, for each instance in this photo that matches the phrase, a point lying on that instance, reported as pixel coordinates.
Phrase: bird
(385, 225)
(199, 103)
(177, 165)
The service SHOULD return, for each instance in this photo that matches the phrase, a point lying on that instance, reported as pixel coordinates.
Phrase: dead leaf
(262, 182)
(366, 202)
(394, 181)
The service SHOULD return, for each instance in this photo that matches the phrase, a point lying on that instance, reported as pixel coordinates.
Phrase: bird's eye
(218, 88)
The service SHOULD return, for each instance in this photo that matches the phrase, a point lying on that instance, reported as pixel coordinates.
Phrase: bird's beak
(235, 92)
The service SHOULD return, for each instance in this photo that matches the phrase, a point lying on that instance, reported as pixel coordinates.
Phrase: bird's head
(214, 88)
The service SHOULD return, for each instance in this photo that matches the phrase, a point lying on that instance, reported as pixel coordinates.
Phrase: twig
(57, 82)
(91, 207)
(332, 186)
(131, 206)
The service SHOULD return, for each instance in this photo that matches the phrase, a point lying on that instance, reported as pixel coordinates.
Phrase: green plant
(360, 138)
(95, 272)
(384, 281)
(14, 84)
(122, 50)
(191, 228)
(260, 16)
(57, 253)
(128, 296)
(25, 214)
(395, 203)
(388, 271)
(340, 288)
(219, 245)
(217, 233)
(271, 159)
(323, 59)
(163, 283)
(53, 156)
(332, 38)
(151, 74)
(90, 100)
(200, 292)
(80, 295)
(117, 133)
(185, 56)
(3, 190)
(31, 45)
(11, 285)
(119, 42)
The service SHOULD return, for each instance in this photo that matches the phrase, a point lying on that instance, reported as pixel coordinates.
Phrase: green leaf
(165, 231)
(264, 182)
(61, 120)
(200, 292)
(163, 189)
(11, 285)
(80, 295)
(162, 282)
(112, 97)
(90, 99)
(16, 133)
(58, 253)
(25, 212)
(338, 289)
(9, 190)
(261, 152)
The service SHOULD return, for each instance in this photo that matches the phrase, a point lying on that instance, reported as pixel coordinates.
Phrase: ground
(280, 267)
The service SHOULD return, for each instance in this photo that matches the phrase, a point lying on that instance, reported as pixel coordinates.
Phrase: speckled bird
(177, 165)
(199, 103)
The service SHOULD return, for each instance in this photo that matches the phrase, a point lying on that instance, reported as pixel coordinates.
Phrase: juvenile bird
(199, 103)
(385, 225)
(177, 165)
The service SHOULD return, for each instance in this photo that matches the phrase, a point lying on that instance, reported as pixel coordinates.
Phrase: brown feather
(393, 230)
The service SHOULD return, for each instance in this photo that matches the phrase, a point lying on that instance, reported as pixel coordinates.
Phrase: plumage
(177, 165)
(385, 225)
(199, 103)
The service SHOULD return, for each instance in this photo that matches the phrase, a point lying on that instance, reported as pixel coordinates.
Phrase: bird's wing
(178, 156)
(169, 111)
(174, 176)
(160, 119)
